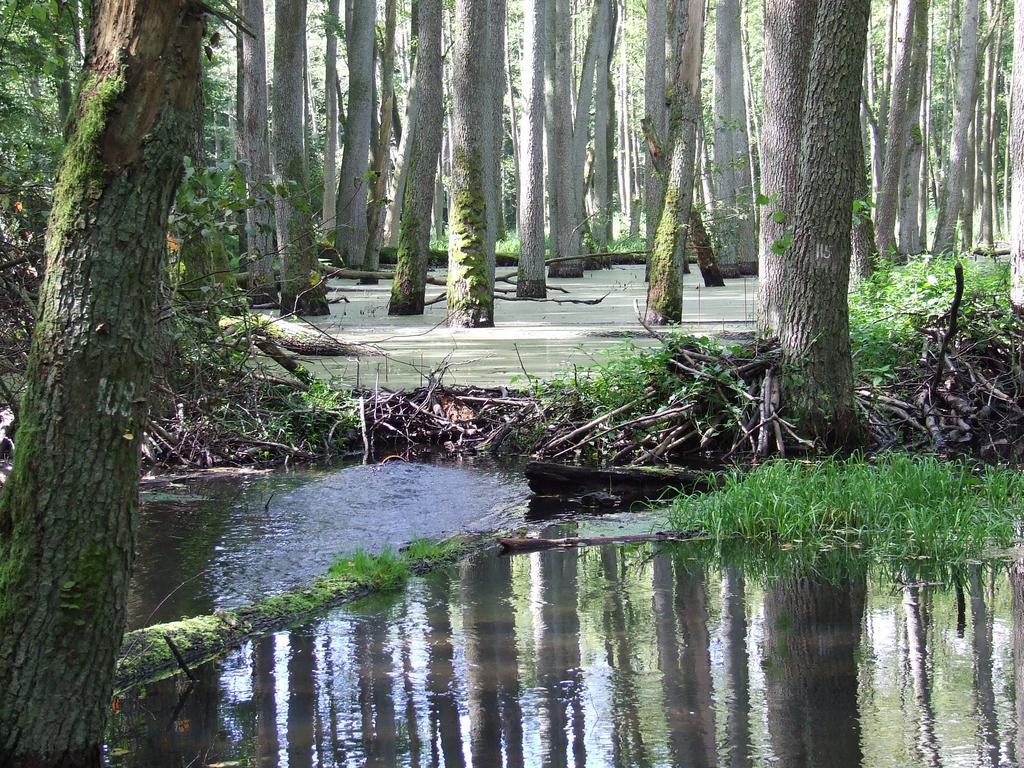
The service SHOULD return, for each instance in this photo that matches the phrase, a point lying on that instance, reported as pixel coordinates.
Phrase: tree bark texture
(1016, 152)
(329, 200)
(407, 289)
(302, 290)
(734, 220)
(68, 511)
(655, 114)
(530, 280)
(256, 151)
(951, 199)
(913, 162)
(788, 33)
(814, 329)
(664, 293)
(470, 290)
(351, 234)
(863, 248)
(604, 105)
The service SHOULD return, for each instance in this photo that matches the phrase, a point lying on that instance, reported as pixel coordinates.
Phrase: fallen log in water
(628, 483)
(510, 546)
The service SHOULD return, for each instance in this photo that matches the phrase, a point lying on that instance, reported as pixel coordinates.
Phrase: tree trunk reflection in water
(681, 627)
(1017, 588)
(301, 699)
(628, 748)
(558, 659)
(492, 662)
(264, 700)
(737, 673)
(985, 698)
(812, 633)
(917, 651)
(412, 727)
(442, 696)
(376, 703)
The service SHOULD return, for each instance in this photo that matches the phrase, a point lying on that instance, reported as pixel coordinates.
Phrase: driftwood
(626, 483)
(509, 545)
(296, 337)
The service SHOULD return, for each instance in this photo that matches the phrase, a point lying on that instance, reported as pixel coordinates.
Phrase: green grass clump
(897, 507)
(388, 570)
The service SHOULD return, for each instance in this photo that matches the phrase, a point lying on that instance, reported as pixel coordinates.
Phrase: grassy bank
(146, 654)
(896, 507)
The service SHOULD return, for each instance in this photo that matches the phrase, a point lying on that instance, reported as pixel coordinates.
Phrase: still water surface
(614, 656)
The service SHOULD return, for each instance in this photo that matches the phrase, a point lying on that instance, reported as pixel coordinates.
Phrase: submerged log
(509, 545)
(628, 483)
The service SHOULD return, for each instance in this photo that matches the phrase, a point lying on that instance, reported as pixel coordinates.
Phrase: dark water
(611, 657)
(222, 542)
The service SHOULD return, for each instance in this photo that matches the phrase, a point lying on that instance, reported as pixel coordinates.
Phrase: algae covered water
(614, 656)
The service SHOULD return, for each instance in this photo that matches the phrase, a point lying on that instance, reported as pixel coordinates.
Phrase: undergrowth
(896, 507)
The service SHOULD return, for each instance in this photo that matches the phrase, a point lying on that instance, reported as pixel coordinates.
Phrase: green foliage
(385, 571)
(897, 508)
(889, 310)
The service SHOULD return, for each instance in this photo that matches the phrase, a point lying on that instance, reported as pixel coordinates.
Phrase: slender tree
(256, 151)
(408, 287)
(68, 511)
(604, 107)
(914, 161)
(655, 121)
(664, 294)
(530, 280)
(1016, 153)
(302, 289)
(470, 286)
(329, 201)
(952, 193)
(351, 234)
(735, 220)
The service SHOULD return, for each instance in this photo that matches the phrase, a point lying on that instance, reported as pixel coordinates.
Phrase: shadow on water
(616, 656)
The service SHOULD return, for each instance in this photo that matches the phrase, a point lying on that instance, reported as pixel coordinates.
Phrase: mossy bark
(68, 509)
(408, 288)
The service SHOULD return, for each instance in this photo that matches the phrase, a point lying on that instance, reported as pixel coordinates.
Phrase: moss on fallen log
(146, 654)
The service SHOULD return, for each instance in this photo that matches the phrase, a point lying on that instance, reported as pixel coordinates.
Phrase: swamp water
(613, 656)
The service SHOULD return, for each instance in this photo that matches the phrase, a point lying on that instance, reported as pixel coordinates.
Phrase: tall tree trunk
(951, 199)
(530, 280)
(302, 290)
(604, 100)
(655, 120)
(1015, 150)
(664, 294)
(814, 329)
(351, 235)
(734, 222)
(494, 127)
(896, 134)
(568, 243)
(68, 511)
(551, 107)
(407, 289)
(470, 287)
(382, 156)
(329, 201)
(788, 34)
(256, 148)
(910, 185)
(863, 249)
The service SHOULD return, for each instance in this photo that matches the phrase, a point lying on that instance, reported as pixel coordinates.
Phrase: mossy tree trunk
(664, 293)
(470, 289)
(68, 509)
(302, 289)
(530, 282)
(815, 328)
(408, 287)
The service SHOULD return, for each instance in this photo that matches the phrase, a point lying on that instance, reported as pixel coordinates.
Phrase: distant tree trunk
(470, 290)
(863, 248)
(403, 162)
(704, 251)
(655, 120)
(256, 148)
(530, 281)
(604, 99)
(569, 237)
(734, 199)
(352, 234)
(302, 290)
(664, 294)
(68, 511)
(951, 198)
(1016, 152)
(328, 210)
(551, 149)
(494, 127)
(910, 186)
(788, 33)
(382, 156)
(814, 328)
(896, 135)
(407, 289)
